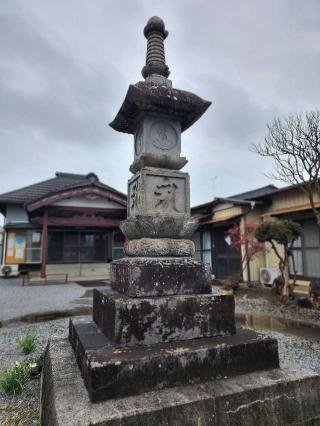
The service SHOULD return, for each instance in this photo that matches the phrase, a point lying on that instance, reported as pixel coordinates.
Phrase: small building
(267, 203)
(67, 224)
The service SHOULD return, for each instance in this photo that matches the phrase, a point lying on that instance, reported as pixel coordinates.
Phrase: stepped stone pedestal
(274, 397)
(162, 348)
(110, 371)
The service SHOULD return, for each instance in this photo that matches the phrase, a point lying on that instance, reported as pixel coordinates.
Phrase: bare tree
(294, 145)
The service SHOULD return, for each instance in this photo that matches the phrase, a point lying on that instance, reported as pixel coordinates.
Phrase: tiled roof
(255, 193)
(243, 197)
(60, 182)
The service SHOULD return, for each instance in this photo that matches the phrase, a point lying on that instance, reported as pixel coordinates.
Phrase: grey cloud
(65, 68)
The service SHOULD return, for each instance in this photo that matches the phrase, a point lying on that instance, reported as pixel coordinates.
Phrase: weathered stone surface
(154, 191)
(145, 321)
(158, 80)
(272, 398)
(158, 160)
(143, 276)
(144, 226)
(155, 32)
(161, 100)
(157, 136)
(111, 372)
(156, 247)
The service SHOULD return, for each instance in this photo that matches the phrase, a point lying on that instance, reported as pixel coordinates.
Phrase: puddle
(92, 283)
(48, 316)
(281, 325)
(87, 293)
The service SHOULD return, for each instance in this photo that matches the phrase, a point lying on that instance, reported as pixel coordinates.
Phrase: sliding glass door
(78, 246)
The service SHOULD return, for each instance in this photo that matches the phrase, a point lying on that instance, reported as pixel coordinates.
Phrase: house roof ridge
(90, 175)
(25, 187)
(241, 197)
(245, 195)
(61, 182)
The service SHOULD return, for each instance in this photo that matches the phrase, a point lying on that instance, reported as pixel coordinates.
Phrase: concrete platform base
(110, 371)
(272, 398)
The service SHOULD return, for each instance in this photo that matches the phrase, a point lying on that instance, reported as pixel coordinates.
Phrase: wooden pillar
(44, 244)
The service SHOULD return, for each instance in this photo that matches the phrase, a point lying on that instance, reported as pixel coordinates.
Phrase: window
(70, 247)
(55, 246)
(33, 247)
(206, 247)
(202, 242)
(23, 246)
(306, 251)
(93, 246)
(197, 242)
(77, 246)
(117, 246)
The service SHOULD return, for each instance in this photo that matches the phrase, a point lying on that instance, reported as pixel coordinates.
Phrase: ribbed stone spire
(155, 33)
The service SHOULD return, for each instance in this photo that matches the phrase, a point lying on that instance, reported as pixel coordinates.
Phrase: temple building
(67, 224)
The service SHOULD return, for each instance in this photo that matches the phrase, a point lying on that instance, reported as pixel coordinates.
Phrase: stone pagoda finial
(155, 33)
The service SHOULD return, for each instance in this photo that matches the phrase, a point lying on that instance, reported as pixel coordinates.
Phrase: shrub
(14, 379)
(284, 233)
(28, 343)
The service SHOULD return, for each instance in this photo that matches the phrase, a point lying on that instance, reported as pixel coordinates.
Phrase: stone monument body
(160, 340)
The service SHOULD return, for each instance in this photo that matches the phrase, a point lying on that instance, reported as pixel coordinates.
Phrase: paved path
(17, 301)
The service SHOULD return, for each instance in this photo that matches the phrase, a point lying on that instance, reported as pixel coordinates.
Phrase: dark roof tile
(255, 193)
(244, 196)
(61, 182)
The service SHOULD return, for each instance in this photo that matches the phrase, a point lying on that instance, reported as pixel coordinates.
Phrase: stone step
(269, 398)
(112, 372)
(146, 321)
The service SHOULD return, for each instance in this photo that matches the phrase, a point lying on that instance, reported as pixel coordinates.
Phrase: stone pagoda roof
(155, 95)
(144, 97)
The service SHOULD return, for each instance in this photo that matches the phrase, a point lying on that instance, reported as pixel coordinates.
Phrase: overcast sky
(65, 66)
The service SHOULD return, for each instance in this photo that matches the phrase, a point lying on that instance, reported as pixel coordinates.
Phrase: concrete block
(154, 191)
(146, 321)
(157, 136)
(142, 276)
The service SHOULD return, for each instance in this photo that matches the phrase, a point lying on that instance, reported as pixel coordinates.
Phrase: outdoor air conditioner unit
(9, 270)
(268, 275)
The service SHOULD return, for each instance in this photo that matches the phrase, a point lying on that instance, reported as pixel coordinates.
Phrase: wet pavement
(17, 301)
(264, 322)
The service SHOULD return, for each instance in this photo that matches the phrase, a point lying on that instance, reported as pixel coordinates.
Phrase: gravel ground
(22, 410)
(296, 352)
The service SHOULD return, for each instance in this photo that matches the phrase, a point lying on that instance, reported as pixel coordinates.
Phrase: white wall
(96, 202)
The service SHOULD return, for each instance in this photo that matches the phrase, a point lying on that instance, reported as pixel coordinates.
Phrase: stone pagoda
(160, 325)
(160, 332)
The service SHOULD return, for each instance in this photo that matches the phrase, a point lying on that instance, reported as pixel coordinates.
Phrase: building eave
(91, 188)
